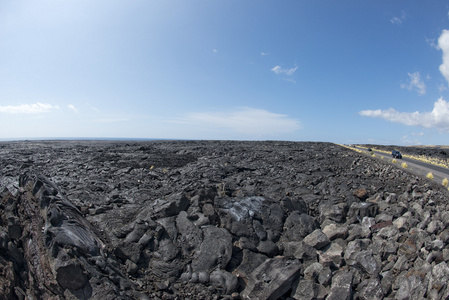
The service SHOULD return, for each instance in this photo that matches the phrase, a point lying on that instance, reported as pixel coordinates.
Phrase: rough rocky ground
(216, 220)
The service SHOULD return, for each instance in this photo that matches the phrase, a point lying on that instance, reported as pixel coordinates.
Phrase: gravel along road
(415, 166)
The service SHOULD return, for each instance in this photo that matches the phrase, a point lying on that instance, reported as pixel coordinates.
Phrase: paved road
(416, 166)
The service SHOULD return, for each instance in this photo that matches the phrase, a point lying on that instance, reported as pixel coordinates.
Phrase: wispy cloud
(418, 133)
(432, 43)
(406, 140)
(214, 50)
(415, 83)
(35, 108)
(443, 44)
(250, 121)
(264, 53)
(399, 19)
(438, 118)
(72, 107)
(281, 71)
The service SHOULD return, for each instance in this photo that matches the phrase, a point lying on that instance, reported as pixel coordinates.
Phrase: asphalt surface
(415, 166)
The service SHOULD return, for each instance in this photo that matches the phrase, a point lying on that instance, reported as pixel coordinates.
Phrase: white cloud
(72, 107)
(250, 121)
(35, 108)
(281, 71)
(438, 118)
(264, 53)
(215, 50)
(443, 44)
(418, 133)
(406, 140)
(432, 43)
(400, 19)
(415, 82)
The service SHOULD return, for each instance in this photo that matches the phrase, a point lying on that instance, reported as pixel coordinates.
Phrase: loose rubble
(216, 220)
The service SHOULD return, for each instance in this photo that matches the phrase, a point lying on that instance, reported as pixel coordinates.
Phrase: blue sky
(338, 71)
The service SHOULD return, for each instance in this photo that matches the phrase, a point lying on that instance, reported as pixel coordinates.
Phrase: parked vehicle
(396, 154)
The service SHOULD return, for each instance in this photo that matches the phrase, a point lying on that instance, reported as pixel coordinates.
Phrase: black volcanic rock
(216, 219)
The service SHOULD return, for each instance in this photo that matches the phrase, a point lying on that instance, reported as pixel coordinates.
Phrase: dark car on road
(396, 154)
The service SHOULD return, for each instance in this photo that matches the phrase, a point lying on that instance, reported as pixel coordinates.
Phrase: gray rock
(272, 279)
(131, 267)
(171, 206)
(387, 281)
(298, 226)
(14, 228)
(353, 248)
(312, 272)
(384, 217)
(325, 277)
(247, 243)
(367, 224)
(438, 281)
(445, 218)
(436, 245)
(259, 230)
(136, 234)
(300, 250)
(367, 262)
(317, 239)
(190, 236)
(389, 233)
(215, 250)
(444, 236)
(225, 280)
(236, 214)
(250, 261)
(341, 288)
(131, 251)
(69, 274)
(401, 264)
(410, 287)
(356, 231)
(401, 224)
(371, 289)
(273, 218)
(384, 248)
(409, 248)
(333, 211)
(294, 204)
(398, 209)
(305, 290)
(167, 250)
(334, 231)
(434, 226)
(331, 256)
(363, 209)
(268, 247)
(165, 269)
